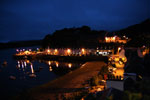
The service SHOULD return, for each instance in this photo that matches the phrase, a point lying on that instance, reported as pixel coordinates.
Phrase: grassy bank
(66, 83)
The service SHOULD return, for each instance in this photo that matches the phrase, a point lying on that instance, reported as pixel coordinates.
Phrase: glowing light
(50, 69)
(49, 62)
(68, 51)
(28, 61)
(25, 64)
(32, 70)
(22, 66)
(106, 38)
(116, 59)
(69, 65)
(18, 64)
(56, 50)
(27, 52)
(119, 49)
(83, 51)
(48, 51)
(57, 64)
(114, 38)
(17, 50)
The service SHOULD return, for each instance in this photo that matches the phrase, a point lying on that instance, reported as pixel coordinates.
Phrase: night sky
(33, 19)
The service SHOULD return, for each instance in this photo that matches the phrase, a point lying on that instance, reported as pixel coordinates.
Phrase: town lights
(17, 50)
(56, 50)
(68, 51)
(83, 51)
(119, 48)
(106, 38)
(57, 64)
(48, 51)
(69, 65)
(114, 38)
(49, 62)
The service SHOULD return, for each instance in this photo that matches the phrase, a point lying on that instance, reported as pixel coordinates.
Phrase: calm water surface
(28, 73)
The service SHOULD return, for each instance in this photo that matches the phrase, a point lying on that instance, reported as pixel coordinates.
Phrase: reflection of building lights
(25, 64)
(69, 65)
(18, 64)
(32, 70)
(22, 66)
(50, 69)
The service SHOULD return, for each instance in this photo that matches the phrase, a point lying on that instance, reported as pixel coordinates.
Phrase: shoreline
(72, 81)
(62, 58)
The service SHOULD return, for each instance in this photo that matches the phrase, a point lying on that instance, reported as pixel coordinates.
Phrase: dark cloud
(33, 19)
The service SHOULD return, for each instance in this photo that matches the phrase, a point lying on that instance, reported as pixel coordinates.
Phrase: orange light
(28, 61)
(106, 38)
(56, 50)
(114, 38)
(48, 51)
(57, 64)
(68, 51)
(49, 62)
(69, 65)
(83, 50)
(32, 70)
(119, 49)
(50, 69)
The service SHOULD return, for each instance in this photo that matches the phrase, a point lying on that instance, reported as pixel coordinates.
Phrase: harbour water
(19, 75)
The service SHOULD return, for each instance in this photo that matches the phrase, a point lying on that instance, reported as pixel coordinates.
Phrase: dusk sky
(33, 19)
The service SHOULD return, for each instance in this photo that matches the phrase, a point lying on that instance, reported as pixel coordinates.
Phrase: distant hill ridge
(143, 27)
(81, 37)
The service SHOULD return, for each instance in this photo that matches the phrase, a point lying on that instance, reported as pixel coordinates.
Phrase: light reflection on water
(28, 73)
(59, 68)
